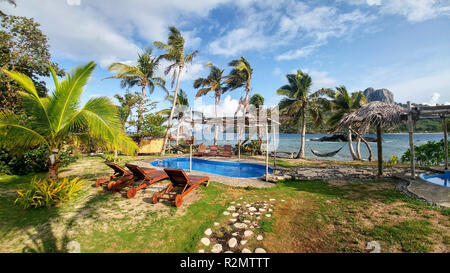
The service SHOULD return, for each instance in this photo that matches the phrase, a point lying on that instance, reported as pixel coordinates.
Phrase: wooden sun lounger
(227, 150)
(179, 178)
(146, 178)
(119, 173)
(213, 149)
(201, 150)
(126, 177)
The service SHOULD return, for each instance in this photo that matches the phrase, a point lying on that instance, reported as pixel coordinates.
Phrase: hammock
(330, 154)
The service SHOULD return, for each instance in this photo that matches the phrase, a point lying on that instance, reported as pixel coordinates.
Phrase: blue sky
(402, 45)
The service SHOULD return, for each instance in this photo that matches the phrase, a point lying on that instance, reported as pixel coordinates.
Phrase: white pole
(190, 145)
(267, 153)
(411, 140)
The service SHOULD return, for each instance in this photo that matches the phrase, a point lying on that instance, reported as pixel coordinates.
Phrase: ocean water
(393, 144)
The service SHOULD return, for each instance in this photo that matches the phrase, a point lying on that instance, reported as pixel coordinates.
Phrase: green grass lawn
(316, 216)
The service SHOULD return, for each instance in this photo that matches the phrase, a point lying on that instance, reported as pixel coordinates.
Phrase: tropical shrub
(32, 161)
(429, 154)
(46, 193)
(252, 147)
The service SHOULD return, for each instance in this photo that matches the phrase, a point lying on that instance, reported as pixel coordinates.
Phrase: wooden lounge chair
(227, 150)
(178, 178)
(120, 173)
(201, 150)
(213, 149)
(145, 178)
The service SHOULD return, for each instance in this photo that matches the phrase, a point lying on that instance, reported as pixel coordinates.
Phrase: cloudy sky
(402, 45)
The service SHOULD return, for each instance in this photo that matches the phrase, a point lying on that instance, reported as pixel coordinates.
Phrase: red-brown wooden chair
(213, 149)
(227, 151)
(119, 172)
(201, 150)
(178, 178)
(146, 178)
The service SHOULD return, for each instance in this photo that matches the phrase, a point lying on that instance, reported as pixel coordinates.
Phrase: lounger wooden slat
(213, 149)
(119, 173)
(179, 178)
(227, 151)
(145, 179)
(201, 150)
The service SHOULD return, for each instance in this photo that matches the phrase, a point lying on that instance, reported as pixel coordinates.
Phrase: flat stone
(243, 242)
(233, 220)
(260, 250)
(234, 234)
(201, 251)
(231, 208)
(248, 233)
(235, 214)
(232, 242)
(268, 215)
(270, 210)
(262, 209)
(216, 248)
(208, 232)
(257, 213)
(247, 221)
(246, 250)
(232, 202)
(272, 199)
(226, 213)
(216, 224)
(252, 209)
(259, 238)
(205, 241)
(240, 225)
(228, 251)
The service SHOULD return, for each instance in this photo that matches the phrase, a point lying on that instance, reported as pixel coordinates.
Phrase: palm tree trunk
(365, 142)
(350, 144)
(216, 134)
(178, 134)
(115, 153)
(141, 113)
(53, 161)
(301, 152)
(380, 151)
(169, 122)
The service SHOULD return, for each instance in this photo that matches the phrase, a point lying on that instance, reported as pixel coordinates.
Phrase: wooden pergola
(237, 122)
(427, 112)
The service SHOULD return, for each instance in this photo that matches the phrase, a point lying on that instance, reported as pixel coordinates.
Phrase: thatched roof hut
(379, 114)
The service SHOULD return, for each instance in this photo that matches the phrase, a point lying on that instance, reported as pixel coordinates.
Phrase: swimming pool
(442, 179)
(230, 169)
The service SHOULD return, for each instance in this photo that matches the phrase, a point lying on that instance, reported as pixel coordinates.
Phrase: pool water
(229, 169)
(439, 179)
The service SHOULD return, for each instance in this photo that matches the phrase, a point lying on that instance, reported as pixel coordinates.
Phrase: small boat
(329, 154)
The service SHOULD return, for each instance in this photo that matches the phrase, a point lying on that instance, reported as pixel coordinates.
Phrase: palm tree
(213, 83)
(257, 100)
(57, 119)
(182, 99)
(343, 104)
(127, 102)
(298, 102)
(174, 53)
(141, 75)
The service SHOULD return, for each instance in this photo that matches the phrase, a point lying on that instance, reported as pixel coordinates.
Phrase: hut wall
(151, 145)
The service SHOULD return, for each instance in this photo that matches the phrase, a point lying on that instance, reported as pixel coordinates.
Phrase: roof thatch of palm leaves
(374, 113)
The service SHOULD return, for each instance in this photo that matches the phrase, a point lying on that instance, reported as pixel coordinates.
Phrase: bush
(46, 193)
(429, 154)
(33, 161)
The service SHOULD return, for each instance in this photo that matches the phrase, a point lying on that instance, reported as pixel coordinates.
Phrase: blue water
(230, 169)
(439, 179)
(393, 144)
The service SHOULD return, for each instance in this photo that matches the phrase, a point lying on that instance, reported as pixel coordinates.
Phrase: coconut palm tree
(298, 102)
(143, 75)
(213, 83)
(175, 54)
(257, 100)
(342, 104)
(240, 76)
(127, 102)
(52, 121)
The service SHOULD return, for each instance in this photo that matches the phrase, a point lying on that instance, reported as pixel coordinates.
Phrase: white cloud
(298, 53)
(434, 99)
(73, 2)
(226, 108)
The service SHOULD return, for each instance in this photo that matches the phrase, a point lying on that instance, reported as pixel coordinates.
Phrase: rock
(234, 234)
(283, 200)
(232, 242)
(252, 209)
(270, 210)
(201, 251)
(233, 220)
(240, 225)
(226, 213)
(228, 251)
(260, 250)
(272, 199)
(216, 224)
(383, 95)
(246, 250)
(243, 242)
(231, 208)
(248, 233)
(247, 221)
(216, 248)
(232, 202)
(259, 238)
(208, 232)
(205, 241)
(268, 215)
(235, 214)
(262, 209)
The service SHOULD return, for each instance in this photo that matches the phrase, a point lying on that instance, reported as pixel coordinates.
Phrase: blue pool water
(442, 179)
(230, 169)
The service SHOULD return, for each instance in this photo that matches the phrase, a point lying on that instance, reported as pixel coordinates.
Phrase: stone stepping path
(241, 228)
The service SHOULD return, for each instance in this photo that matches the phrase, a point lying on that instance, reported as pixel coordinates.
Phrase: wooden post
(411, 140)
(445, 143)
(190, 145)
(274, 149)
(239, 143)
(380, 150)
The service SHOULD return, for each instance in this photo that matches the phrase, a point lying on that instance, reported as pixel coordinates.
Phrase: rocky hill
(379, 95)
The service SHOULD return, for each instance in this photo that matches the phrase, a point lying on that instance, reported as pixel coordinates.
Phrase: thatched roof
(374, 113)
